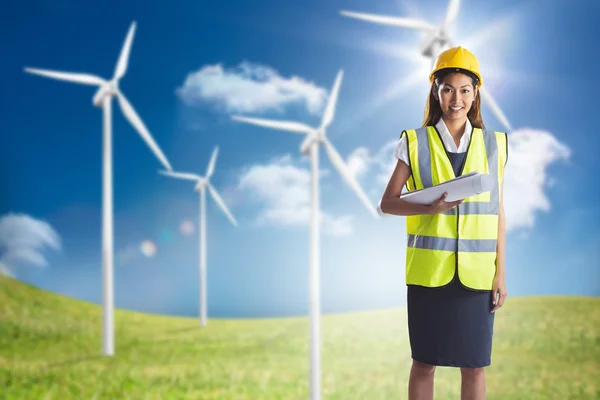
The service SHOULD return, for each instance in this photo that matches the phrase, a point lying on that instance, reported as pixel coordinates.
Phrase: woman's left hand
(498, 292)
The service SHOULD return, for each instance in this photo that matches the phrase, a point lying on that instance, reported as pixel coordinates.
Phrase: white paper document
(460, 188)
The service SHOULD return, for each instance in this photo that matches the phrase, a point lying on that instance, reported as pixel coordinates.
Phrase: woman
(455, 271)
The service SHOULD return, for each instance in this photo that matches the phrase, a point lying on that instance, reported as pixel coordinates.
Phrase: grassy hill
(50, 348)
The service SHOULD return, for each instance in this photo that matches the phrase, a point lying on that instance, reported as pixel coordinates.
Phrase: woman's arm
(390, 202)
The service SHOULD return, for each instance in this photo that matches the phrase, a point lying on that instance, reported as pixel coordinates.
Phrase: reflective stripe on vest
(461, 240)
(447, 244)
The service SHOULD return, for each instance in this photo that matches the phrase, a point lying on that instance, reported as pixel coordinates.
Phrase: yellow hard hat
(457, 58)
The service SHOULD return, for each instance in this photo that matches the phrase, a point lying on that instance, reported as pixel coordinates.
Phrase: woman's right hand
(440, 205)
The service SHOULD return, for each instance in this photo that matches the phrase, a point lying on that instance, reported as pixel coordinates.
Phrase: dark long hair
(433, 111)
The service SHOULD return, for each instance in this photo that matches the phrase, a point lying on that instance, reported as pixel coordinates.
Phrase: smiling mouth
(456, 108)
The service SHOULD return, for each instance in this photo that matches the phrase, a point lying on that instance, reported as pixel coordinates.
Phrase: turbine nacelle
(202, 183)
(110, 88)
(311, 138)
(435, 43)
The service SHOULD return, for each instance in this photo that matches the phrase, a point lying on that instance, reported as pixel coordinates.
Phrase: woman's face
(456, 95)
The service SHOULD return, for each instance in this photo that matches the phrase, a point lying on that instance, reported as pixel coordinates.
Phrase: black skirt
(451, 325)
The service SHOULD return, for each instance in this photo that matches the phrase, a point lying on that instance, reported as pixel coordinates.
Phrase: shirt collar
(443, 130)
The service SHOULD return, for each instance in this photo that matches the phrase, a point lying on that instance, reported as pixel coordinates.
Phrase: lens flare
(166, 236)
(148, 248)
(186, 228)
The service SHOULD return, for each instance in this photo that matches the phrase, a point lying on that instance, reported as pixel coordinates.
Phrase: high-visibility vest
(463, 239)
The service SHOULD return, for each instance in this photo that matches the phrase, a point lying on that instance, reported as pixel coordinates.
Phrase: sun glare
(489, 43)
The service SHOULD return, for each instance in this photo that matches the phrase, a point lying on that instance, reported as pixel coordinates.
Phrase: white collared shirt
(401, 152)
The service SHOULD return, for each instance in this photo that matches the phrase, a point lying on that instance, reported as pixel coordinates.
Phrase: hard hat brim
(447, 70)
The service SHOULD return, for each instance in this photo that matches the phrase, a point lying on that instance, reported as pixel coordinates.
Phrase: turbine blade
(393, 21)
(283, 125)
(339, 164)
(487, 98)
(211, 164)
(331, 103)
(451, 12)
(181, 175)
(85, 79)
(121, 66)
(135, 120)
(221, 203)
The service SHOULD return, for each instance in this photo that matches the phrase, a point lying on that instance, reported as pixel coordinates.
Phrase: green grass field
(50, 348)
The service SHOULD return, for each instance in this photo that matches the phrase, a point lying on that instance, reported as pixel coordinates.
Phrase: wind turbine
(310, 146)
(437, 39)
(103, 99)
(203, 182)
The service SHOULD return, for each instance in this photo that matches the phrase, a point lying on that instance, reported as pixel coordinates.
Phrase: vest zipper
(462, 168)
(457, 240)
(460, 172)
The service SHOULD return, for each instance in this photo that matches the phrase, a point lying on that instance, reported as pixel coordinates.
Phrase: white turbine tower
(310, 145)
(437, 39)
(103, 99)
(203, 182)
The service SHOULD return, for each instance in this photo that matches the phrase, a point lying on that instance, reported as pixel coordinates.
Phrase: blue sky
(186, 78)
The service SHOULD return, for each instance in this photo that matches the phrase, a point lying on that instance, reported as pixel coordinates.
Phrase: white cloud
(249, 88)
(341, 226)
(530, 154)
(22, 239)
(364, 165)
(358, 162)
(284, 190)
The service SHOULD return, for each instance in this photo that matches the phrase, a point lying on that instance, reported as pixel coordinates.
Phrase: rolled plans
(459, 188)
